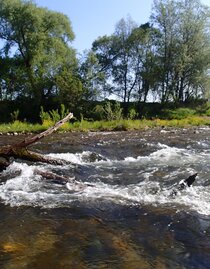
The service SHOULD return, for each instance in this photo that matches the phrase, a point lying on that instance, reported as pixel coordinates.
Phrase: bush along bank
(110, 118)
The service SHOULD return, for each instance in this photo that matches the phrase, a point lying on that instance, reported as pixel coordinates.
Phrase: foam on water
(27, 188)
(70, 157)
(169, 156)
(164, 155)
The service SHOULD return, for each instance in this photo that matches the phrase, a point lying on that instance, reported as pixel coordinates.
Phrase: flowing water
(122, 215)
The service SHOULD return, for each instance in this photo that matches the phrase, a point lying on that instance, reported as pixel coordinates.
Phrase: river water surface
(122, 216)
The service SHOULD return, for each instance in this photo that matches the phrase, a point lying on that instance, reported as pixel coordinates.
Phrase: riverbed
(123, 216)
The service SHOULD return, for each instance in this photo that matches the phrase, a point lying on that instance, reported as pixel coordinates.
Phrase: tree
(182, 48)
(143, 46)
(119, 59)
(195, 50)
(69, 88)
(36, 45)
(125, 66)
(128, 60)
(93, 77)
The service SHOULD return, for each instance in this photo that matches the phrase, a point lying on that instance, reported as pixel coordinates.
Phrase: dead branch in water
(54, 177)
(20, 150)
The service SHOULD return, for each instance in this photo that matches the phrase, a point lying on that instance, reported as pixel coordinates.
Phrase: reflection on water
(126, 220)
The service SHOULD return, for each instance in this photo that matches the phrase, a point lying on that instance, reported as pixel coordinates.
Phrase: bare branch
(28, 141)
(20, 151)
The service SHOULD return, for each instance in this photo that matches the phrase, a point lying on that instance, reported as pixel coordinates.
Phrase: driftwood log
(20, 151)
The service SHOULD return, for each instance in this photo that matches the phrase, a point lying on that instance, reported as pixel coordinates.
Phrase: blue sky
(93, 18)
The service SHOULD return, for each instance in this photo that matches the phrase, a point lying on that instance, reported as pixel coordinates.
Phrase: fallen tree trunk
(20, 150)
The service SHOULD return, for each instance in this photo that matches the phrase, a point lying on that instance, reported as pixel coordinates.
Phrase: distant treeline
(107, 110)
(165, 61)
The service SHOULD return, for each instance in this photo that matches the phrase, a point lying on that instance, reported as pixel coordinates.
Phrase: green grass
(21, 127)
(114, 125)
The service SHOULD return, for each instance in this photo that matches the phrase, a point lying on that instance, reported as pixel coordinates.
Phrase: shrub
(113, 111)
(63, 111)
(179, 113)
(45, 116)
(15, 114)
(99, 112)
(207, 112)
(53, 115)
(132, 114)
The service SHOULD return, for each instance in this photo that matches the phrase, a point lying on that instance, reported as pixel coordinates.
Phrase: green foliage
(182, 49)
(36, 57)
(113, 125)
(203, 109)
(132, 114)
(179, 113)
(63, 111)
(70, 88)
(99, 112)
(93, 77)
(44, 116)
(20, 127)
(208, 112)
(53, 116)
(167, 58)
(14, 115)
(121, 54)
(109, 113)
(112, 111)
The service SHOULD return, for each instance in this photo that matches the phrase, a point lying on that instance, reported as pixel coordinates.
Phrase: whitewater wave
(165, 155)
(27, 188)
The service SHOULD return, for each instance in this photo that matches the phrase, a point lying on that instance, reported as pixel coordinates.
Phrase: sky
(93, 18)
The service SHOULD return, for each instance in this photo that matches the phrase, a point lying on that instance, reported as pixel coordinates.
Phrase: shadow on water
(126, 221)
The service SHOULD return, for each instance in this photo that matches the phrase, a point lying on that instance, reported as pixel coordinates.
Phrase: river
(125, 217)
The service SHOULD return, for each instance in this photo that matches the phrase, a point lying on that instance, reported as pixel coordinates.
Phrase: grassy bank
(114, 125)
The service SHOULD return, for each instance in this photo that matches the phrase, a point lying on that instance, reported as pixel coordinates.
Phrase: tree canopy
(36, 58)
(182, 49)
(167, 58)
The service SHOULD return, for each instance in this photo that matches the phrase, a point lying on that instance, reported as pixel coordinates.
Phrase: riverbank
(18, 127)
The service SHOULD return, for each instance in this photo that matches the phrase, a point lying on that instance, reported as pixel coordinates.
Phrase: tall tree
(143, 47)
(93, 77)
(125, 66)
(194, 46)
(128, 60)
(182, 48)
(36, 43)
(121, 56)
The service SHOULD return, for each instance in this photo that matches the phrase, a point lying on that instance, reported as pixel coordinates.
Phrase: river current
(121, 214)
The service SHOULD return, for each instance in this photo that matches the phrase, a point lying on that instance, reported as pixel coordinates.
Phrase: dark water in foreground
(126, 219)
